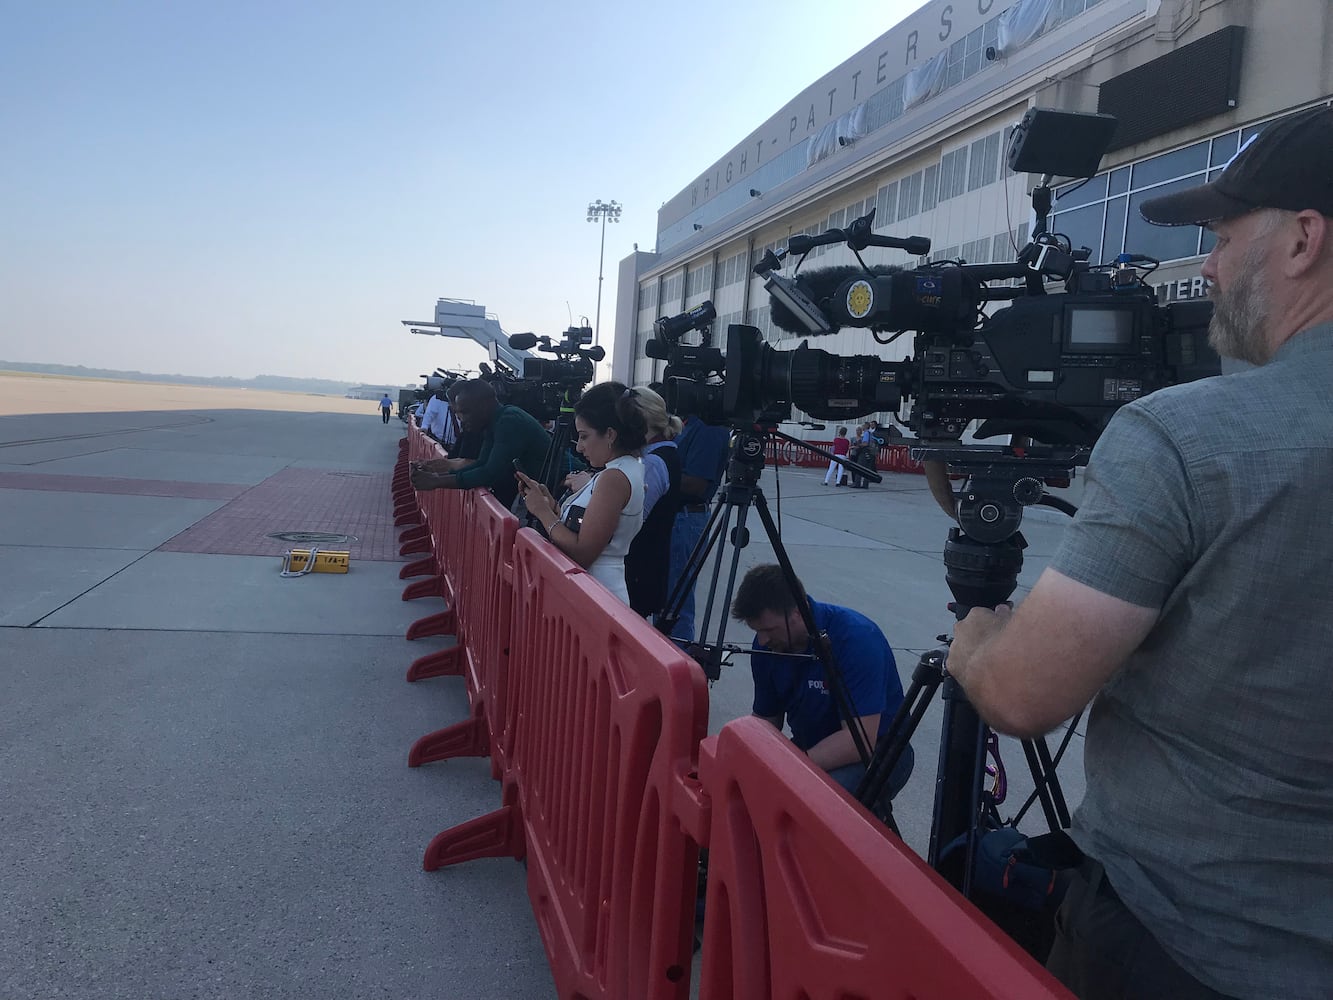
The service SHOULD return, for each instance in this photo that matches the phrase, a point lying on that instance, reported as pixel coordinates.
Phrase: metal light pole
(603, 211)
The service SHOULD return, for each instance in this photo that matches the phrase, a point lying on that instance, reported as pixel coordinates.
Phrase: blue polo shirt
(784, 685)
(703, 452)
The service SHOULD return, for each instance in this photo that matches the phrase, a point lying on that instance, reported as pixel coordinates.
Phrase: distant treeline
(276, 383)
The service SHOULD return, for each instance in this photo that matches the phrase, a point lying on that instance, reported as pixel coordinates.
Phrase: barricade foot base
(415, 533)
(429, 587)
(466, 739)
(441, 624)
(415, 547)
(419, 568)
(498, 834)
(444, 663)
(402, 519)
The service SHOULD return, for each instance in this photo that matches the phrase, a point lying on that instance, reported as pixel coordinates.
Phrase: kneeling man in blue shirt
(793, 689)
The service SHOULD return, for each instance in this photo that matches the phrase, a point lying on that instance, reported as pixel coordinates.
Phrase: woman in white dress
(595, 526)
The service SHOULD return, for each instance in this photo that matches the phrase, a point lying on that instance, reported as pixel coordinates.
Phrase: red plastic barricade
(446, 513)
(484, 616)
(603, 719)
(890, 458)
(809, 896)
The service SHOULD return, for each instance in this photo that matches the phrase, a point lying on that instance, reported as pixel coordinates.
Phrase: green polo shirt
(513, 434)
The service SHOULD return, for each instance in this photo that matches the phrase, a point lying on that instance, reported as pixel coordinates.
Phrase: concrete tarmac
(203, 764)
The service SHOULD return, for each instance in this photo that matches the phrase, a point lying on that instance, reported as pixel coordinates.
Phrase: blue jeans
(685, 535)
(849, 776)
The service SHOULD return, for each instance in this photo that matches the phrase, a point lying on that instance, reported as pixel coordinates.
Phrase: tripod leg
(739, 539)
(1045, 783)
(689, 574)
(562, 436)
(890, 747)
(958, 780)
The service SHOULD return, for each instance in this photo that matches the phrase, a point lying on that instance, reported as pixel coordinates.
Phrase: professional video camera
(691, 382)
(435, 383)
(549, 387)
(1050, 367)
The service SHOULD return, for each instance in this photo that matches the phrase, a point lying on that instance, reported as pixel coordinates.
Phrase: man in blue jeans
(792, 688)
(702, 450)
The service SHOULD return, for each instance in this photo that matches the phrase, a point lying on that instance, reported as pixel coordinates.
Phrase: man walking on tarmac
(386, 407)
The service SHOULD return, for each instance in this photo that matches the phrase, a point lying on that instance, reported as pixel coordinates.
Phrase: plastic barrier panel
(890, 458)
(602, 718)
(809, 896)
(482, 653)
(445, 513)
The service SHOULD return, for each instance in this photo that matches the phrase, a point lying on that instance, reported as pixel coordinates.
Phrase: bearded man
(1192, 598)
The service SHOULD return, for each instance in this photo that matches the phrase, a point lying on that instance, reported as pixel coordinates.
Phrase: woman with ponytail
(649, 557)
(595, 526)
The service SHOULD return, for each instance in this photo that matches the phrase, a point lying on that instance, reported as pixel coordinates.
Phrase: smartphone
(517, 467)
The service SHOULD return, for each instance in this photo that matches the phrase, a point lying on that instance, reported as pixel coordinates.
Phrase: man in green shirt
(508, 435)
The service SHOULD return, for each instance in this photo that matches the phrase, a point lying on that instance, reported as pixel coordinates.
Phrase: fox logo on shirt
(815, 685)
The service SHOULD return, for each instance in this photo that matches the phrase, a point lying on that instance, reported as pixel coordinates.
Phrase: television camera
(436, 383)
(548, 387)
(1052, 367)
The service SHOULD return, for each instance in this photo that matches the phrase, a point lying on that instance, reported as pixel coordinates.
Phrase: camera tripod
(983, 557)
(741, 491)
(555, 466)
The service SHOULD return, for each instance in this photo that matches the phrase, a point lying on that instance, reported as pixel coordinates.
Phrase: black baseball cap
(1287, 165)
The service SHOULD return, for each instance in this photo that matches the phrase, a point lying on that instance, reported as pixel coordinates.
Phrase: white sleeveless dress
(609, 567)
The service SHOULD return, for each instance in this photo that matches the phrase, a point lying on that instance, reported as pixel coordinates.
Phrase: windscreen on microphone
(819, 285)
(523, 341)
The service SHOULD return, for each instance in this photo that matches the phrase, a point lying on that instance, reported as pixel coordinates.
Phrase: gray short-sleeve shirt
(1209, 755)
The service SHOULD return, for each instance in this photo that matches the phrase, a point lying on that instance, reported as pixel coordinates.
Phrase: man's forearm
(490, 469)
(834, 751)
(426, 481)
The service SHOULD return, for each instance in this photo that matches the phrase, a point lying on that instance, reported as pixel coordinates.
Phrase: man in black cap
(1192, 597)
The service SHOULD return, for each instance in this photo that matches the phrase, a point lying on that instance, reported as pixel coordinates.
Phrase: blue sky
(242, 188)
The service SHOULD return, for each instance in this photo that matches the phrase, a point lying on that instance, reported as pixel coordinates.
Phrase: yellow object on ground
(296, 561)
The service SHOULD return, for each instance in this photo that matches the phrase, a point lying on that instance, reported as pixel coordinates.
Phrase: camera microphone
(523, 341)
(671, 327)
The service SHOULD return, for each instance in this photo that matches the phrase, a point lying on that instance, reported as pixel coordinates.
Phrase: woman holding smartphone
(595, 526)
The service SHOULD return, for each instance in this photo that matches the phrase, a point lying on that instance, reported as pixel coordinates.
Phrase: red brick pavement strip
(49, 482)
(300, 500)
